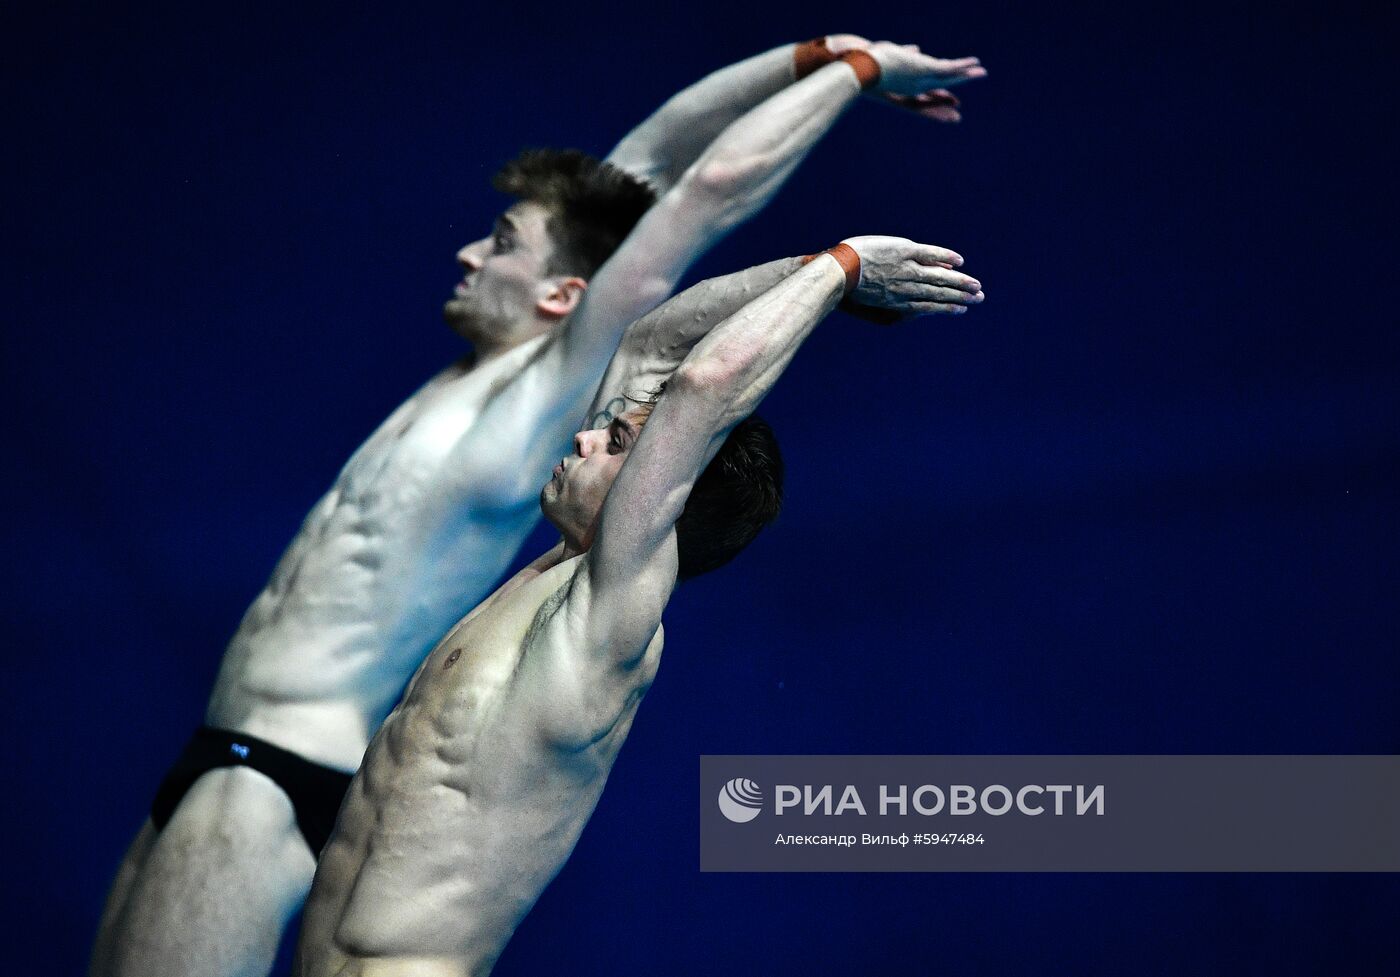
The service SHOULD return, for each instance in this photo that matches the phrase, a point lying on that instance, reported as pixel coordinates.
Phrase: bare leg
(118, 896)
(209, 895)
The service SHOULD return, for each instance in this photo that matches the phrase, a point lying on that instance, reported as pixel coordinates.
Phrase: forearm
(736, 364)
(655, 344)
(734, 178)
(719, 383)
(663, 147)
(744, 167)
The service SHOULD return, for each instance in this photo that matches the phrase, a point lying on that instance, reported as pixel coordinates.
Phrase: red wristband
(808, 56)
(849, 261)
(865, 66)
(847, 258)
(870, 313)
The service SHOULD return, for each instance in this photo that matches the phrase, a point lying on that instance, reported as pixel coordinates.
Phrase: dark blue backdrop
(1141, 501)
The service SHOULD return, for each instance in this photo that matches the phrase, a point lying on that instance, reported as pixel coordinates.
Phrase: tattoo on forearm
(605, 416)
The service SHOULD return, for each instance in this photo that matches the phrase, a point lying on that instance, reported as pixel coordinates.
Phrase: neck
(498, 343)
(485, 351)
(569, 548)
(552, 557)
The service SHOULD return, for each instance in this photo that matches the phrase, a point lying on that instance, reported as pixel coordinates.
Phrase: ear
(560, 296)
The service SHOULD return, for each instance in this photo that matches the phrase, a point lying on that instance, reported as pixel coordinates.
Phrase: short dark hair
(594, 205)
(739, 492)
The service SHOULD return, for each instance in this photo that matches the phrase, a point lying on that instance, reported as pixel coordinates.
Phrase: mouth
(558, 470)
(461, 289)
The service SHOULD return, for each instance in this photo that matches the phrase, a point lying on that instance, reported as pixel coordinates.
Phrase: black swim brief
(315, 791)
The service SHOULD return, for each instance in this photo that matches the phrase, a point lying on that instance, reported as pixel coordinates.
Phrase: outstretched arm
(524, 426)
(671, 138)
(664, 146)
(675, 135)
(655, 344)
(734, 177)
(588, 645)
(627, 575)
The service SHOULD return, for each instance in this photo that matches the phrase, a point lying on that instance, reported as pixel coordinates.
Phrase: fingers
(955, 65)
(932, 254)
(920, 292)
(934, 308)
(945, 277)
(938, 104)
(956, 71)
(940, 113)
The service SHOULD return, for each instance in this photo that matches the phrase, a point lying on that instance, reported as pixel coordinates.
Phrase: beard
(462, 317)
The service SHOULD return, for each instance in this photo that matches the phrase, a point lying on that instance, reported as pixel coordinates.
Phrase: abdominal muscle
(462, 813)
(316, 667)
(383, 565)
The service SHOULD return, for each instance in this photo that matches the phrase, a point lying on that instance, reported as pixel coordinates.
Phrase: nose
(584, 442)
(469, 257)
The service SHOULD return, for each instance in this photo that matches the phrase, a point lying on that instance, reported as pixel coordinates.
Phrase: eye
(619, 435)
(501, 242)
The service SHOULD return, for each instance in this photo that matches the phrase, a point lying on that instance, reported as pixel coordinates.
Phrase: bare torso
(380, 569)
(468, 802)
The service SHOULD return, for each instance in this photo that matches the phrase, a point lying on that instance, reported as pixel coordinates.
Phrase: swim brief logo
(740, 800)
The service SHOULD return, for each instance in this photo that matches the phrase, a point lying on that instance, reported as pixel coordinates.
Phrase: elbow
(635, 290)
(647, 292)
(730, 185)
(708, 378)
(720, 177)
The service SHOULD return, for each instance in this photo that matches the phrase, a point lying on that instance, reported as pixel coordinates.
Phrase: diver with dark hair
(476, 788)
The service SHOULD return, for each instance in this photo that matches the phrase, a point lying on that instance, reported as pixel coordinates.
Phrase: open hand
(913, 80)
(909, 279)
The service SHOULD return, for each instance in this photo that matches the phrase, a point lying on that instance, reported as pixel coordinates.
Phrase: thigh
(217, 885)
(118, 895)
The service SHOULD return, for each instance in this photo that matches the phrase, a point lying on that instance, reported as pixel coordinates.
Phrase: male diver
(429, 511)
(477, 786)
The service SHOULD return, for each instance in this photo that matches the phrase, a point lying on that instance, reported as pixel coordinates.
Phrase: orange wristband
(865, 66)
(849, 261)
(847, 258)
(808, 56)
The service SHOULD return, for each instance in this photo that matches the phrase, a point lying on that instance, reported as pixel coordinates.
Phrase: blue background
(1141, 501)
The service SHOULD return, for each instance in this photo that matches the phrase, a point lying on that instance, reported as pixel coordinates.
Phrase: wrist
(866, 68)
(847, 260)
(808, 56)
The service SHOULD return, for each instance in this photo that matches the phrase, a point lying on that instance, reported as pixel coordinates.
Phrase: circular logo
(740, 800)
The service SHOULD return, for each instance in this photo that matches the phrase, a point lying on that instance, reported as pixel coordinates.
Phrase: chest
(478, 677)
(415, 441)
(422, 437)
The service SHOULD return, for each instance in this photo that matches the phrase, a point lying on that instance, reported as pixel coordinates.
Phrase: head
(531, 272)
(739, 492)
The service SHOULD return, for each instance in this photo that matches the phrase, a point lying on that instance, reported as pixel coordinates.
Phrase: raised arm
(627, 575)
(733, 178)
(664, 146)
(655, 344)
(524, 426)
(673, 137)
